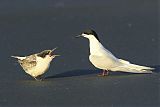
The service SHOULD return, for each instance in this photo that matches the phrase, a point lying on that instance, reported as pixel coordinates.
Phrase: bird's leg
(37, 79)
(107, 72)
(104, 73)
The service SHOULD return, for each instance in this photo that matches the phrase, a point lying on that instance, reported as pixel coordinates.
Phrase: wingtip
(149, 69)
(149, 72)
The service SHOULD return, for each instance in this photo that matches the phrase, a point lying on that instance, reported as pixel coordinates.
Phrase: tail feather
(18, 57)
(139, 67)
(128, 67)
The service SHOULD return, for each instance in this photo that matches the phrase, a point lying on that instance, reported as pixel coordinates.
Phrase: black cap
(91, 32)
(44, 53)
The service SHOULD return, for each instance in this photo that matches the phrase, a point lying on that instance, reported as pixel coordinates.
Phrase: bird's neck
(95, 46)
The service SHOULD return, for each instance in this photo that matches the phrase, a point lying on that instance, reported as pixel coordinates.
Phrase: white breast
(101, 57)
(40, 68)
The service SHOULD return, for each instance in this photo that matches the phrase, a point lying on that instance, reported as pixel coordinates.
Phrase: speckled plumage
(29, 62)
(36, 64)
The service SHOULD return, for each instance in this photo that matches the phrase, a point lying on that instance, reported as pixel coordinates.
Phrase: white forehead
(83, 34)
(89, 36)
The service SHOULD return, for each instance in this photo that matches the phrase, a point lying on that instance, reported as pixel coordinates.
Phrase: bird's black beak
(51, 52)
(79, 36)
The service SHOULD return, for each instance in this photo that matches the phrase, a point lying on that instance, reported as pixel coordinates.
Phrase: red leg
(104, 73)
(107, 72)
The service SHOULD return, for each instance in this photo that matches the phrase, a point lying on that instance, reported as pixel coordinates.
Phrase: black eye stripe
(43, 53)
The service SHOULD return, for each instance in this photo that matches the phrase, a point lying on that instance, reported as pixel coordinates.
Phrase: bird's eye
(48, 53)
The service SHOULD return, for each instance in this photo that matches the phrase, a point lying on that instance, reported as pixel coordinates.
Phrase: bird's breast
(40, 68)
(102, 62)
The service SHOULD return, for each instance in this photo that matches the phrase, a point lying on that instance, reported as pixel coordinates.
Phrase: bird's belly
(38, 70)
(102, 62)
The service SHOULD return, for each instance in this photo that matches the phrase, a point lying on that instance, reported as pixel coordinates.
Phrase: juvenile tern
(36, 64)
(103, 59)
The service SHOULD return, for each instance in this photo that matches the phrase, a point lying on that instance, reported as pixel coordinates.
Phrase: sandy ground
(129, 29)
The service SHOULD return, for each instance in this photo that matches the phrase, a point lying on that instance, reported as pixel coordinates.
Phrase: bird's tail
(18, 57)
(128, 67)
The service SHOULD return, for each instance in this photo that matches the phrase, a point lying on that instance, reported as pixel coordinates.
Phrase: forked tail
(128, 67)
(18, 57)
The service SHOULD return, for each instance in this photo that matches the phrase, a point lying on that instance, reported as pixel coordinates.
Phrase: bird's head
(89, 34)
(47, 54)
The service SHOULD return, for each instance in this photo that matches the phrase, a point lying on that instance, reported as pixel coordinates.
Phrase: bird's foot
(38, 79)
(104, 73)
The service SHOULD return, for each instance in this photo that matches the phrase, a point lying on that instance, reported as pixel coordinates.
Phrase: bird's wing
(29, 62)
(18, 57)
(128, 67)
(104, 62)
(107, 53)
(135, 66)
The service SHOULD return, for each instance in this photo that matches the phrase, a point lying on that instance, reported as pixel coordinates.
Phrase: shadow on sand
(85, 72)
(75, 73)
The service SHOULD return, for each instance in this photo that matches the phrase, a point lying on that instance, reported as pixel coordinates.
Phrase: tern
(103, 59)
(36, 64)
